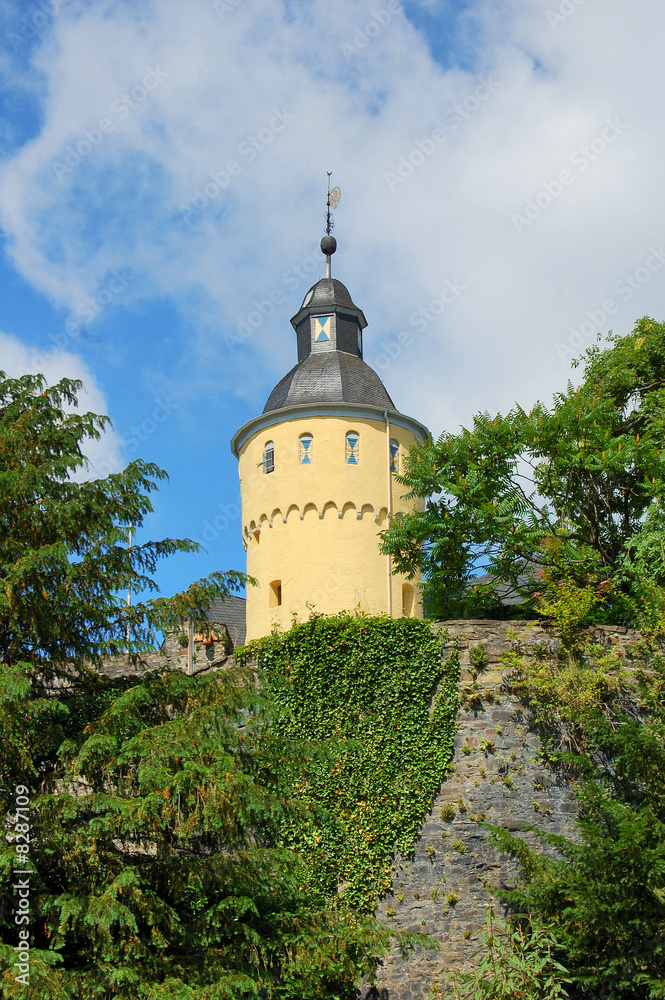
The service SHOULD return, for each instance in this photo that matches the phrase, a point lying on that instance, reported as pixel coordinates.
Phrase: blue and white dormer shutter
(352, 448)
(305, 449)
(394, 455)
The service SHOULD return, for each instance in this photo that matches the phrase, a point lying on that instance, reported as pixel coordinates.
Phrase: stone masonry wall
(442, 889)
(210, 654)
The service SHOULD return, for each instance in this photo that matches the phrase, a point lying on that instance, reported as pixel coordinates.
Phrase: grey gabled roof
(504, 591)
(230, 611)
(331, 377)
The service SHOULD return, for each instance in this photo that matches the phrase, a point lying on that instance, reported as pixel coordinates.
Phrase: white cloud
(104, 455)
(549, 92)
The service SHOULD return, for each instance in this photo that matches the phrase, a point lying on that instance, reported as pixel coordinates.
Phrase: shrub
(447, 812)
(515, 963)
(478, 657)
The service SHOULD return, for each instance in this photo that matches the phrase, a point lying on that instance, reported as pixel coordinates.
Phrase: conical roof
(333, 377)
(327, 292)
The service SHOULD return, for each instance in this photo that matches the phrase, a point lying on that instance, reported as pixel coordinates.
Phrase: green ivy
(378, 704)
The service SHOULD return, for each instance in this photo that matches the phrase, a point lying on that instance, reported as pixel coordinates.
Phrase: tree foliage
(602, 717)
(568, 492)
(66, 562)
(65, 566)
(565, 506)
(159, 867)
(515, 963)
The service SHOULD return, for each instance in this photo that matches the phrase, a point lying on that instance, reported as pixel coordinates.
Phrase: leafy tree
(571, 492)
(66, 563)
(566, 505)
(516, 963)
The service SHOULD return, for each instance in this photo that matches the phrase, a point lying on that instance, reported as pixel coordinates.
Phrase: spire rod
(329, 243)
(330, 224)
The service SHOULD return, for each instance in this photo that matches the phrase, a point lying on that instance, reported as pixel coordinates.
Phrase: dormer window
(269, 457)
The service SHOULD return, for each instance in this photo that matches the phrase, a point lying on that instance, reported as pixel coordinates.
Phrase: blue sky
(162, 174)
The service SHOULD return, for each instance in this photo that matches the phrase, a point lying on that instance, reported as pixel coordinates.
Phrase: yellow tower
(317, 476)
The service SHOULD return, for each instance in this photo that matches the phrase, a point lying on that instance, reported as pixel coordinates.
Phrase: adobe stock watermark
(248, 150)
(421, 152)
(328, 588)
(121, 107)
(472, 103)
(138, 433)
(265, 307)
(89, 309)
(420, 320)
(564, 11)
(33, 24)
(581, 160)
(596, 319)
(361, 37)
(23, 867)
(227, 515)
(425, 148)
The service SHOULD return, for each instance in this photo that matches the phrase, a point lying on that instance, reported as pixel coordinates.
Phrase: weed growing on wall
(514, 963)
(378, 705)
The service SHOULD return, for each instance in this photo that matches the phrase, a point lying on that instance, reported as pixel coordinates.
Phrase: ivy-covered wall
(377, 698)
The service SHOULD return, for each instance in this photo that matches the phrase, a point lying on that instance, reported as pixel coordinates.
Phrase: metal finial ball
(328, 245)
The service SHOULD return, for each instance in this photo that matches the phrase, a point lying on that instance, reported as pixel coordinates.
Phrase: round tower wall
(311, 528)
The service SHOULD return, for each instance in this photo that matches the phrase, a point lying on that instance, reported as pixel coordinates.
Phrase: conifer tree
(154, 806)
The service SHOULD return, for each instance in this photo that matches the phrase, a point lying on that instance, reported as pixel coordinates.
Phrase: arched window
(394, 455)
(352, 448)
(305, 449)
(275, 594)
(408, 600)
(269, 457)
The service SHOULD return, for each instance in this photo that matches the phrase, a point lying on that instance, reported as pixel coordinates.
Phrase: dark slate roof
(330, 377)
(230, 611)
(328, 292)
(504, 591)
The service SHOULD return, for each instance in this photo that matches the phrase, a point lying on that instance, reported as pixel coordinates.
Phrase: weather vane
(333, 201)
(329, 243)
